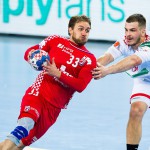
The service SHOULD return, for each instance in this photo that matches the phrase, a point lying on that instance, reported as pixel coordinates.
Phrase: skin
(78, 35)
(135, 35)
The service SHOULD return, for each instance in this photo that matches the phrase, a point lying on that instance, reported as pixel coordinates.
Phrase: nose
(128, 33)
(84, 32)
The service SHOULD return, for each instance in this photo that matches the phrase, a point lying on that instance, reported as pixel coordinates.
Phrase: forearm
(105, 59)
(77, 83)
(124, 65)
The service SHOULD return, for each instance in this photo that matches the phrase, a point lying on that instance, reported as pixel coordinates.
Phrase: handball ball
(38, 58)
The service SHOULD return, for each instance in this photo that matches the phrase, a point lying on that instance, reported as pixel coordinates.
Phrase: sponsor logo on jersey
(27, 108)
(135, 69)
(84, 60)
(65, 49)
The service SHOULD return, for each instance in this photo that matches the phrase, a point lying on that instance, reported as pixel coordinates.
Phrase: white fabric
(120, 48)
(142, 87)
(141, 81)
(141, 99)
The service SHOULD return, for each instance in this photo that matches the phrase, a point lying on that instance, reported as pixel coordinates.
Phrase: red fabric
(140, 94)
(75, 62)
(40, 111)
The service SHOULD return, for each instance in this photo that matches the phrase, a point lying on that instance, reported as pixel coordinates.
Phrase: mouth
(83, 38)
(129, 40)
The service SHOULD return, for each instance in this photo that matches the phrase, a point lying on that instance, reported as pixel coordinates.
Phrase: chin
(130, 44)
(81, 43)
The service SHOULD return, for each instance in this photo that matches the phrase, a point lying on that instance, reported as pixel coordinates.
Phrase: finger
(97, 78)
(98, 64)
(94, 72)
(53, 60)
(96, 69)
(48, 62)
(45, 72)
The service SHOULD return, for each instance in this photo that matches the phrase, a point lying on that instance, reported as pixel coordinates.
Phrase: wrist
(109, 70)
(58, 74)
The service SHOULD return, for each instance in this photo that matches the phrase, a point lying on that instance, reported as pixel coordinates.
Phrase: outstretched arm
(101, 61)
(124, 65)
(105, 59)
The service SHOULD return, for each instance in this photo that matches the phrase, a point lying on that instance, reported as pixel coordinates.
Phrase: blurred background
(95, 119)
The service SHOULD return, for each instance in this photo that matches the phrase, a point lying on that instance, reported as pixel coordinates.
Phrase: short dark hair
(77, 19)
(137, 18)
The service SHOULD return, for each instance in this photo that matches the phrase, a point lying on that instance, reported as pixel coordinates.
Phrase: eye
(80, 29)
(133, 30)
(87, 30)
(126, 30)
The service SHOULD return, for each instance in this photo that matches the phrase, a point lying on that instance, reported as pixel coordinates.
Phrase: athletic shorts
(141, 91)
(42, 112)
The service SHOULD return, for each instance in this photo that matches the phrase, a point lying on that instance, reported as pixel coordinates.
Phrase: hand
(99, 72)
(51, 69)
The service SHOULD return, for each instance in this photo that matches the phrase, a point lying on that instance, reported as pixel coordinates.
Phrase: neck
(135, 47)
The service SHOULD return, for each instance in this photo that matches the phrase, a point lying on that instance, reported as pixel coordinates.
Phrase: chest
(68, 58)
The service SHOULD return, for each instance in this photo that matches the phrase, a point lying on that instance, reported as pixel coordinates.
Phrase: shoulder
(120, 42)
(119, 45)
(89, 53)
(56, 37)
(52, 40)
(147, 37)
(144, 51)
(145, 46)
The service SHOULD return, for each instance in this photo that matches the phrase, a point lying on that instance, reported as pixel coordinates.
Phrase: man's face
(134, 34)
(79, 34)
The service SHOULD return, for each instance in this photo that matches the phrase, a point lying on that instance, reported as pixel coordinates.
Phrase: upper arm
(144, 52)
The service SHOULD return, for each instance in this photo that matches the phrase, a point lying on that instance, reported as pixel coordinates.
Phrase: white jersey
(120, 48)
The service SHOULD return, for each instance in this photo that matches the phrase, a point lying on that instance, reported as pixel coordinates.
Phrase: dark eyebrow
(83, 27)
(130, 29)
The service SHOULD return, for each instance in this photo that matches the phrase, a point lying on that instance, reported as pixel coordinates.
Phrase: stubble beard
(136, 43)
(78, 41)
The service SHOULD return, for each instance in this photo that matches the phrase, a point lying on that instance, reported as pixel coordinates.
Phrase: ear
(70, 30)
(143, 32)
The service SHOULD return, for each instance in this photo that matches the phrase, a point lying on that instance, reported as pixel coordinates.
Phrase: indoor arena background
(95, 119)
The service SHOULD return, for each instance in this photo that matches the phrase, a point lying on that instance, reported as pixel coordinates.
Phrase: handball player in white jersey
(135, 47)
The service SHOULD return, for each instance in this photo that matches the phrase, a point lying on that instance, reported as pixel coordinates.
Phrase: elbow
(136, 60)
(80, 88)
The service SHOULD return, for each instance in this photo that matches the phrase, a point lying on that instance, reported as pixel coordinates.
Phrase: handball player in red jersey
(67, 72)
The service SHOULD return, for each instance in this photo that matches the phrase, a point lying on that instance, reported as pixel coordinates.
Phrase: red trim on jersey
(140, 94)
(81, 48)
